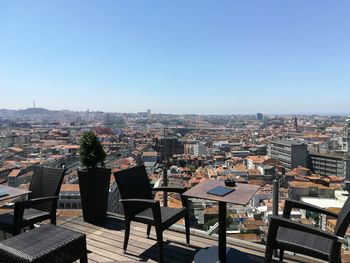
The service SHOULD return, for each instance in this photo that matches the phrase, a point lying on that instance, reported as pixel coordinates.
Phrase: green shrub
(91, 151)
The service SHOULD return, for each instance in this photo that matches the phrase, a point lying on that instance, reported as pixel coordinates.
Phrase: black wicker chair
(286, 234)
(41, 204)
(139, 205)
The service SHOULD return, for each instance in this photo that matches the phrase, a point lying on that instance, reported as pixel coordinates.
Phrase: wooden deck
(105, 243)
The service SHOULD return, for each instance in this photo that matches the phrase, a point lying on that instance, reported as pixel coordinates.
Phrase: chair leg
(84, 259)
(126, 235)
(148, 230)
(53, 220)
(187, 226)
(16, 231)
(159, 233)
(281, 255)
(268, 254)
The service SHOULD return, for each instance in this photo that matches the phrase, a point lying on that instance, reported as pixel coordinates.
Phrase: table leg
(221, 254)
(222, 232)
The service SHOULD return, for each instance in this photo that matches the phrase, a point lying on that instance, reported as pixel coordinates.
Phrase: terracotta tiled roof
(14, 173)
(70, 188)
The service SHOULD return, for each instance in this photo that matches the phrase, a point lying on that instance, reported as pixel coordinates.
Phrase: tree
(91, 151)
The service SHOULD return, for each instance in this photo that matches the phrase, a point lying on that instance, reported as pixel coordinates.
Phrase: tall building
(259, 116)
(295, 123)
(346, 136)
(170, 146)
(291, 154)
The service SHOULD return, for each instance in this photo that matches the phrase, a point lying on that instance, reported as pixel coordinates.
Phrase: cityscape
(309, 155)
(174, 131)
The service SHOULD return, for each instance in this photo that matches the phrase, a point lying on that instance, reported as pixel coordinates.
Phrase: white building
(200, 149)
(346, 136)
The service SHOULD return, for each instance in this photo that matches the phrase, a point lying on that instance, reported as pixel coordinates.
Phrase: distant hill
(27, 112)
(34, 111)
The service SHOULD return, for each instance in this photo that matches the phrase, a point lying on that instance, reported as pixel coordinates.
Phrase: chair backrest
(133, 183)
(45, 182)
(343, 219)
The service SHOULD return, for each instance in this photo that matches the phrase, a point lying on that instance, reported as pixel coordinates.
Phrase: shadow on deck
(105, 243)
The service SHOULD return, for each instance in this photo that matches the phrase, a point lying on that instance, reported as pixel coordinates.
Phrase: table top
(11, 192)
(241, 195)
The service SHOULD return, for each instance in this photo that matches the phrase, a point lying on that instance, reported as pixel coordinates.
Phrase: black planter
(94, 190)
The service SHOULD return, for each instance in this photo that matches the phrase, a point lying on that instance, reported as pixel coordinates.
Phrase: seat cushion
(30, 216)
(34, 214)
(169, 215)
(6, 222)
(299, 241)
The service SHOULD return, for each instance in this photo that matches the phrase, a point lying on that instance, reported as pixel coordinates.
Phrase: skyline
(343, 114)
(199, 57)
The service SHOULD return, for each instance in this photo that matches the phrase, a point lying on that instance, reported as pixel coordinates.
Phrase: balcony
(105, 243)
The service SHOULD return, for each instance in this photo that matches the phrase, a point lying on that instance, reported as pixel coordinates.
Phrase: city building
(150, 157)
(291, 154)
(200, 149)
(326, 164)
(172, 146)
(297, 190)
(346, 136)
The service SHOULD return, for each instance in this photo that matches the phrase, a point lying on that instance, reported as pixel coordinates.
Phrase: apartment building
(291, 154)
(200, 149)
(326, 164)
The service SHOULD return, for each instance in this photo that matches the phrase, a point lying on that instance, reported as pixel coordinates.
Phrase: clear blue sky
(183, 56)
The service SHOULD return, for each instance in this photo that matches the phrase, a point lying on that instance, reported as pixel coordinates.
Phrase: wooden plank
(176, 245)
(140, 247)
(113, 240)
(106, 242)
(138, 233)
(97, 258)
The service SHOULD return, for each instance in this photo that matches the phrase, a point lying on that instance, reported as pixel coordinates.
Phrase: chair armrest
(277, 221)
(20, 206)
(179, 190)
(35, 201)
(290, 204)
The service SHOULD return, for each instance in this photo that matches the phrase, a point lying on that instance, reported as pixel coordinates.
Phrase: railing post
(275, 203)
(165, 183)
(165, 173)
(275, 197)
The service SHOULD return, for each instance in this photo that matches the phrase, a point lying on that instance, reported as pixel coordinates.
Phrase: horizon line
(209, 114)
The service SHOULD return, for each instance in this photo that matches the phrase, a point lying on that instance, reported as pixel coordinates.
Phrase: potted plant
(94, 178)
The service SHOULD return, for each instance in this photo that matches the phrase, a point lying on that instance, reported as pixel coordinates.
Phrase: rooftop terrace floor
(104, 243)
